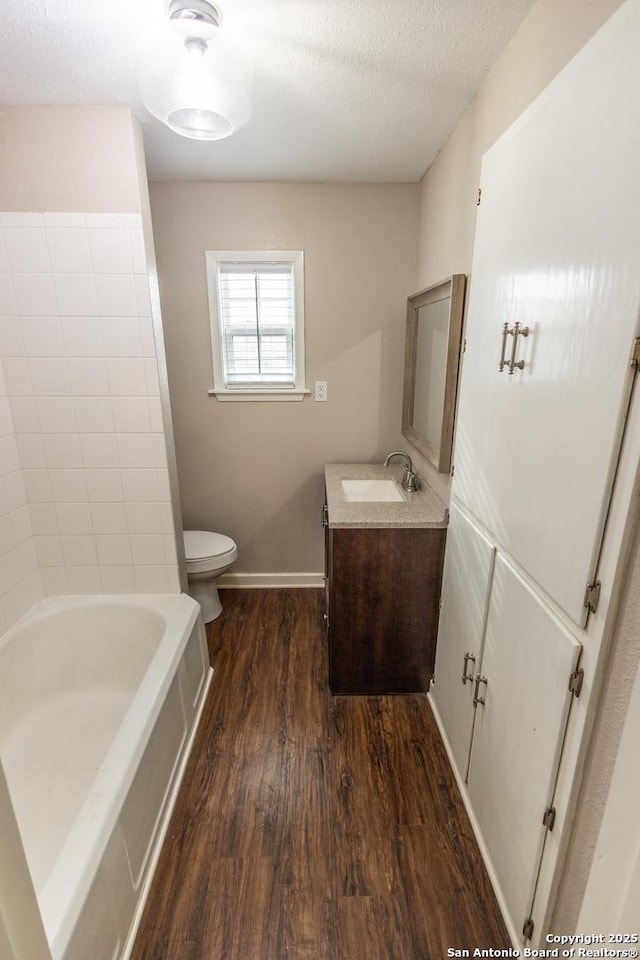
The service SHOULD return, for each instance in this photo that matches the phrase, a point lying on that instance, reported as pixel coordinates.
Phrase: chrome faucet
(410, 481)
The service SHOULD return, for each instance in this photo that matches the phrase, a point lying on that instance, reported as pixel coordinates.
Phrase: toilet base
(206, 594)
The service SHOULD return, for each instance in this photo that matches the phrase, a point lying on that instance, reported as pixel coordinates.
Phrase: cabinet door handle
(517, 331)
(468, 658)
(503, 352)
(476, 697)
(325, 515)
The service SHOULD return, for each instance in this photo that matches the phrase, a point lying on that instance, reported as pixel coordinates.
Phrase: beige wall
(254, 470)
(553, 32)
(64, 158)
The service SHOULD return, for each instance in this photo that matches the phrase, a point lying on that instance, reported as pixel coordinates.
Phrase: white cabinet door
(518, 733)
(557, 249)
(468, 566)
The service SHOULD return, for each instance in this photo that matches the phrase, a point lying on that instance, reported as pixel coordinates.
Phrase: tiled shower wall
(80, 371)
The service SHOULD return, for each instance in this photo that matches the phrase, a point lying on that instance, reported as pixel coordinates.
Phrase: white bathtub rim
(64, 892)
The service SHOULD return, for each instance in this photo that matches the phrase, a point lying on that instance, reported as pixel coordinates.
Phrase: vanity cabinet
(383, 574)
(383, 589)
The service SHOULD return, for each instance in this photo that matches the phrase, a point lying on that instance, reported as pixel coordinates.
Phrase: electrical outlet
(320, 390)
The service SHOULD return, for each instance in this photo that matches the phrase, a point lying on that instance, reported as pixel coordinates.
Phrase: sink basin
(380, 491)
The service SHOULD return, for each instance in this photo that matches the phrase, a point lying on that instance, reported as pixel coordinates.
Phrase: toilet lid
(200, 544)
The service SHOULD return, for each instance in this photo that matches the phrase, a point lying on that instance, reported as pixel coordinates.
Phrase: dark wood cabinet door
(384, 595)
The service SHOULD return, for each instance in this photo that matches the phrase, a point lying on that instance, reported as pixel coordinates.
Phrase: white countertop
(424, 508)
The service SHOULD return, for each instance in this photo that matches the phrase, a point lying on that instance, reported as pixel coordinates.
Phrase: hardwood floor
(310, 827)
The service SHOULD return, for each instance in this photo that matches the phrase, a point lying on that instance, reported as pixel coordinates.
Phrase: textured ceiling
(344, 90)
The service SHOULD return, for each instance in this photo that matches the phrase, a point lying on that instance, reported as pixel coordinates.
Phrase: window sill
(249, 395)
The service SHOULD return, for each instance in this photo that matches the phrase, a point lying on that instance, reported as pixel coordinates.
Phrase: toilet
(207, 555)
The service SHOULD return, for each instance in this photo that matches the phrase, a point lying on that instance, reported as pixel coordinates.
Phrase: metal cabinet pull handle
(325, 515)
(503, 352)
(517, 331)
(476, 697)
(468, 658)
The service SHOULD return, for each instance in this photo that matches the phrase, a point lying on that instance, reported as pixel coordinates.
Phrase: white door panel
(468, 566)
(557, 248)
(528, 658)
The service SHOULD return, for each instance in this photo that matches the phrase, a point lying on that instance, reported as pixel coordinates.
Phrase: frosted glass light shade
(199, 86)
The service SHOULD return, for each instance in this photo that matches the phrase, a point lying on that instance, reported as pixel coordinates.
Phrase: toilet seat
(205, 550)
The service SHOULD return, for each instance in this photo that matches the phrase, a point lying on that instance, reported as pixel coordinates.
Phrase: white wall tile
(94, 414)
(35, 294)
(22, 598)
(151, 579)
(44, 519)
(143, 301)
(12, 218)
(74, 518)
(37, 486)
(11, 338)
(147, 337)
(83, 580)
(88, 376)
(69, 249)
(8, 303)
(31, 451)
(75, 295)
(42, 337)
(104, 486)
(68, 486)
(62, 450)
(155, 414)
(106, 220)
(24, 414)
(118, 579)
(116, 295)
(26, 249)
(121, 337)
(56, 219)
(13, 494)
(144, 518)
(113, 549)
(49, 377)
(21, 521)
(28, 557)
(81, 336)
(9, 458)
(138, 253)
(136, 450)
(109, 518)
(6, 420)
(17, 377)
(10, 571)
(54, 581)
(99, 450)
(127, 377)
(4, 262)
(140, 485)
(49, 551)
(148, 548)
(8, 540)
(131, 414)
(152, 381)
(111, 250)
(56, 414)
(79, 550)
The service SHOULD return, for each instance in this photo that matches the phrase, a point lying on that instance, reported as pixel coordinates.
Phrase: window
(256, 305)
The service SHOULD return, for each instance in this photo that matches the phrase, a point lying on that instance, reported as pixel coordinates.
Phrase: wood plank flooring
(310, 827)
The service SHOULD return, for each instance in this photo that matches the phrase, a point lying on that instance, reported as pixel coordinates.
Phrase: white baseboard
(265, 580)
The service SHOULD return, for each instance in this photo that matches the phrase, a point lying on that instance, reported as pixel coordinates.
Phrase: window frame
(275, 391)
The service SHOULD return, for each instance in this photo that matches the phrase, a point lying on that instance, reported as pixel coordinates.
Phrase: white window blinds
(257, 323)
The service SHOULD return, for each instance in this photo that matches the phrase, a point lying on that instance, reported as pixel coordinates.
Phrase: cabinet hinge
(592, 595)
(635, 356)
(549, 818)
(576, 679)
(479, 197)
(527, 930)
(464, 345)
(453, 469)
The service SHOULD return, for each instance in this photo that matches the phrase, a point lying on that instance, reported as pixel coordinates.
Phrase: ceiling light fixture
(192, 77)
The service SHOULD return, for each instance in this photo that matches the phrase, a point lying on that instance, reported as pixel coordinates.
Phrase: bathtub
(99, 701)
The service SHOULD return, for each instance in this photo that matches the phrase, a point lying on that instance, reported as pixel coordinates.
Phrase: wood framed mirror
(432, 361)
